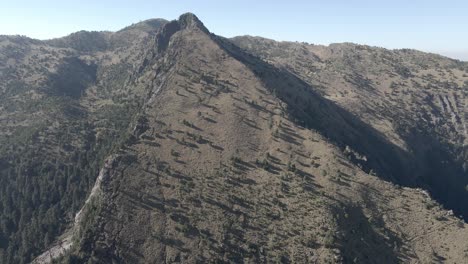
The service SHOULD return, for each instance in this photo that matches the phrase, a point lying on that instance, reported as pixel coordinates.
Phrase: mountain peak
(190, 20)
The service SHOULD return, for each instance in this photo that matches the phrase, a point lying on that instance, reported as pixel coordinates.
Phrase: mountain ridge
(345, 43)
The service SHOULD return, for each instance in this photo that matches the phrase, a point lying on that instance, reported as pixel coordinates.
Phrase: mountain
(415, 100)
(62, 112)
(163, 142)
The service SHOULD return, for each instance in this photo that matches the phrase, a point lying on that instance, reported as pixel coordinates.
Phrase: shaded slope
(414, 99)
(335, 123)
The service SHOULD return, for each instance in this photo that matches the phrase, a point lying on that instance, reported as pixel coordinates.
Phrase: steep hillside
(416, 100)
(219, 168)
(62, 110)
(163, 142)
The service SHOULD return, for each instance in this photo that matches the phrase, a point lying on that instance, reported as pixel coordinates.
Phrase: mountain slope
(219, 170)
(62, 111)
(416, 100)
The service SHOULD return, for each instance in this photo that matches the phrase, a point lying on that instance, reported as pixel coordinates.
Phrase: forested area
(39, 196)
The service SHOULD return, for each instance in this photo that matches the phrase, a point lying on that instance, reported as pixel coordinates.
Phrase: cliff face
(209, 152)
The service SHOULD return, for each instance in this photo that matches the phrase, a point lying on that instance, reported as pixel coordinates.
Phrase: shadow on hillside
(342, 128)
(438, 159)
(310, 110)
(359, 240)
(72, 78)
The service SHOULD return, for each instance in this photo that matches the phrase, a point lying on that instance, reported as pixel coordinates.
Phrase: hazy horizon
(428, 26)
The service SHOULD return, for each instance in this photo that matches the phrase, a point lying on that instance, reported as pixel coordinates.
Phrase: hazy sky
(436, 26)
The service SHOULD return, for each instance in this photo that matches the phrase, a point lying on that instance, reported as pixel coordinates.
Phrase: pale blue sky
(436, 26)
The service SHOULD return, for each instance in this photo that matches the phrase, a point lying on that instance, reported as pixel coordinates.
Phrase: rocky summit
(165, 143)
